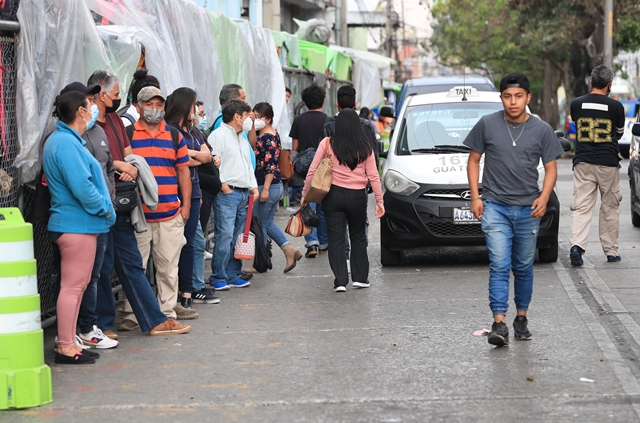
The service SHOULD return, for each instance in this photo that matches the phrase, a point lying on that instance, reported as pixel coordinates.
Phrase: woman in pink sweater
(353, 166)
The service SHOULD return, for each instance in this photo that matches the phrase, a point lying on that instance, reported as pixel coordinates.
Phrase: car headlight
(399, 184)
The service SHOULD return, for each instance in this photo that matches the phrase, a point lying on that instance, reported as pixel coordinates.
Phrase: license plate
(463, 216)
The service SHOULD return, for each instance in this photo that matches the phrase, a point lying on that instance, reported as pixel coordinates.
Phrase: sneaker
(245, 276)
(221, 286)
(520, 330)
(208, 255)
(499, 335)
(240, 283)
(128, 325)
(169, 327)
(361, 284)
(185, 302)
(204, 296)
(613, 259)
(348, 266)
(312, 252)
(96, 339)
(78, 343)
(110, 334)
(185, 313)
(575, 255)
(340, 289)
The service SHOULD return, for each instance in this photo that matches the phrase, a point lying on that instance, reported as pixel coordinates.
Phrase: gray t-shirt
(98, 146)
(510, 172)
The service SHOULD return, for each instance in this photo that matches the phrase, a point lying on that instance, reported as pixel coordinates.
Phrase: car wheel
(388, 257)
(549, 255)
(635, 217)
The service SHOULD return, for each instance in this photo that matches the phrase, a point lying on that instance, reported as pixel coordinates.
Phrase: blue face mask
(94, 116)
(202, 125)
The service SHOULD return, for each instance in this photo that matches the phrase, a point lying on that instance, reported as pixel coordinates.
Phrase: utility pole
(389, 28)
(341, 23)
(608, 33)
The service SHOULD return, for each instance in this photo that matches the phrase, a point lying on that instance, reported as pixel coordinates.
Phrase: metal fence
(9, 176)
(299, 79)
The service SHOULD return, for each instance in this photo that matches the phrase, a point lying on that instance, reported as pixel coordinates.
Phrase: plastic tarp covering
(366, 79)
(123, 50)
(58, 44)
(271, 86)
(290, 43)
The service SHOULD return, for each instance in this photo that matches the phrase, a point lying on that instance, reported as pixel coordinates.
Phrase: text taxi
(426, 193)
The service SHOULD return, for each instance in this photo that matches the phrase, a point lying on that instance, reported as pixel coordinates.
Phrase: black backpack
(262, 257)
(175, 135)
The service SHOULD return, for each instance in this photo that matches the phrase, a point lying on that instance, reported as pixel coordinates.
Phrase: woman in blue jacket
(81, 209)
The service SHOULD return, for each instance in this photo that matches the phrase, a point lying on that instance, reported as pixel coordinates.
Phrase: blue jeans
(319, 236)
(199, 245)
(230, 212)
(185, 265)
(123, 254)
(87, 317)
(266, 212)
(511, 235)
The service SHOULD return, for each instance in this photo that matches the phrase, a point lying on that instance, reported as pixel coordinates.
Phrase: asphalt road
(289, 349)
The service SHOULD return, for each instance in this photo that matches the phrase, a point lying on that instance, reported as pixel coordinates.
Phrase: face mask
(114, 107)
(247, 124)
(203, 124)
(152, 116)
(259, 124)
(94, 116)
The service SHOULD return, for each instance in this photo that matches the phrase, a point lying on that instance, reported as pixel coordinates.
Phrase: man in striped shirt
(152, 139)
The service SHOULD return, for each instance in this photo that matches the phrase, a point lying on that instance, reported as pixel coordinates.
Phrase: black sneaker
(204, 296)
(185, 302)
(499, 335)
(520, 330)
(575, 255)
(312, 252)
(613, 259)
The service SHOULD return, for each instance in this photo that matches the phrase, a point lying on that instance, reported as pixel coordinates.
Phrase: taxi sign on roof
(461, 91)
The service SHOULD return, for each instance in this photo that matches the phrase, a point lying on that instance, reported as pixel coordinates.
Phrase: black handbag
(309, 216)
(127, 196)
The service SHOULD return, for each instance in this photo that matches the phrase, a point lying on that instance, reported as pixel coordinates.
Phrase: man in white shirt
(230, 205)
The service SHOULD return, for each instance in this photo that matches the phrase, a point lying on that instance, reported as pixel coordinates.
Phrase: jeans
(199, 245)
(266, 212)
(230, 212)
(185, 265)
(344, 206)
(511, 235)
(319, 236)
(122, 252)
(88, 316)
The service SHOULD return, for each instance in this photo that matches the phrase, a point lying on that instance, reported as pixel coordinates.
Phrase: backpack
(175, 135)
(262, 257)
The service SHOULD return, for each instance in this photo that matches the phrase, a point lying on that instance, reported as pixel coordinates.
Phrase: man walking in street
(238, 182)
(599, 125)
(513, 143)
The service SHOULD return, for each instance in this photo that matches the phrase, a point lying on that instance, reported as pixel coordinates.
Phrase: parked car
(634, 172)
(426, 191)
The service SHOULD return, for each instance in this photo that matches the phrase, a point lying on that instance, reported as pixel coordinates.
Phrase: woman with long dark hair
(180, 112)
(267, 173)
(353, 166)
(81, 209)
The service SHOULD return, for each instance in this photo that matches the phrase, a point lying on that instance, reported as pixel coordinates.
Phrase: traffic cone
(25, 381)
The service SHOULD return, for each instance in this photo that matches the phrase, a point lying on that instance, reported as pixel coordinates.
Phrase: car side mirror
(559, 134)
(635, 129)
(566, 145)
(387, 111)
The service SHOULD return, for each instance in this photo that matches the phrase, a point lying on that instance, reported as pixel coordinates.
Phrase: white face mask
(259, 124)
(247, 125)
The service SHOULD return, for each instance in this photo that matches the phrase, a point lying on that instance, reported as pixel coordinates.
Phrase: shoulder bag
(322, 177)
(246, 243)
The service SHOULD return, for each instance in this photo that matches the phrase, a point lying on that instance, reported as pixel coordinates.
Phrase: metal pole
(608, 33)
(388, 28)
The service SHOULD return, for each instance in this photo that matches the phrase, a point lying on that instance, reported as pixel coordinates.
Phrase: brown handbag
(285, 165)
(321, 180)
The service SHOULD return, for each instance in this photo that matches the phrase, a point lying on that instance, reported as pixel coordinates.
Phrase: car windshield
(435, 127)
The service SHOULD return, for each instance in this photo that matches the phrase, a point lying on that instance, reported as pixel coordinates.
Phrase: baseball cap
(79, 86)
(147, 93)
(514, 80)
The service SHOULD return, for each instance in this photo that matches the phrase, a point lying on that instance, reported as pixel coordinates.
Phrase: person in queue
(81, 208)
(269, 182)
(346, 203)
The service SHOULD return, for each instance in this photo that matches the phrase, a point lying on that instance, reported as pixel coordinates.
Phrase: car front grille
(443, 226)
(448, 194)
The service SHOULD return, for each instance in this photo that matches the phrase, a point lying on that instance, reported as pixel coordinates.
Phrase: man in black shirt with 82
(599, 125)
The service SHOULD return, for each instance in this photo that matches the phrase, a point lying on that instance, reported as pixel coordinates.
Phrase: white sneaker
(349, 266)
(96, 339)
(78, 343)
(208, 255)
(339, 289)
(361, 284)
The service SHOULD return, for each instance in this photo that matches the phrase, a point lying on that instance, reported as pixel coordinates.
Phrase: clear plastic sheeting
(123, 50)
(58, 44)
(366, 77)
